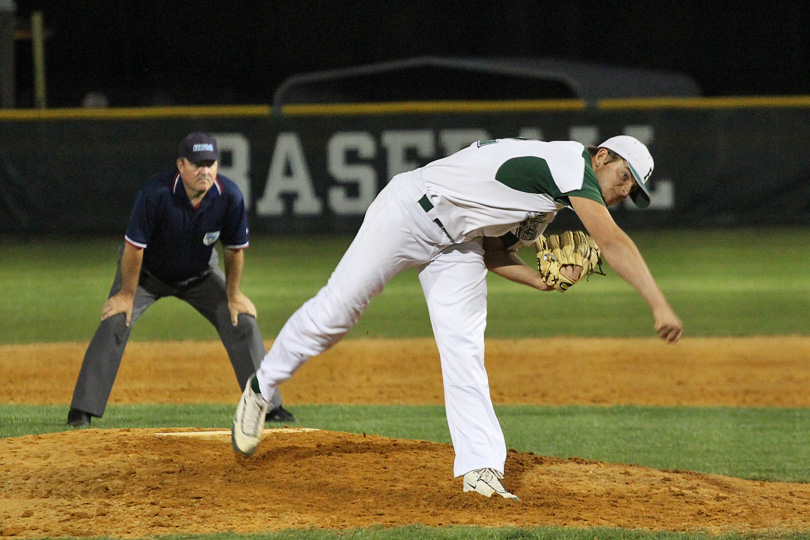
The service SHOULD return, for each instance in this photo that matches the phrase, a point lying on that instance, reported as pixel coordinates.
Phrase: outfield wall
(719, 162)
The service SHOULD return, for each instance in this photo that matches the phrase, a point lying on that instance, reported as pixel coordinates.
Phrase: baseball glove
(567, 248)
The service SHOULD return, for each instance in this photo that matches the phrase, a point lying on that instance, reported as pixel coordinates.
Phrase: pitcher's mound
(139, 482)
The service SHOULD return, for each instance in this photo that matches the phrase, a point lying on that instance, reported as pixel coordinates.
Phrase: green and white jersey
(500, 186)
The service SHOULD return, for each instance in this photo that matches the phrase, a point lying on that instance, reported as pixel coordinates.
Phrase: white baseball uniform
(434, 218)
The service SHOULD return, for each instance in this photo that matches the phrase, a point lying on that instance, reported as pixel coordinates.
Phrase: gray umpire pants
(206, 294)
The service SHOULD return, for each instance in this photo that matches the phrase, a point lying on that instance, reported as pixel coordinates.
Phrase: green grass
(751, 443)
(718, 281)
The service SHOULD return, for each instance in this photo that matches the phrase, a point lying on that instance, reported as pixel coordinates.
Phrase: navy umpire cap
(197, 147)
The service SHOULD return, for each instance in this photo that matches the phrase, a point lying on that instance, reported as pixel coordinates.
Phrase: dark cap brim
(197, 157)
(640, 198)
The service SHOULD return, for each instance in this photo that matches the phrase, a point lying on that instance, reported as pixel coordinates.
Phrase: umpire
(169, 251)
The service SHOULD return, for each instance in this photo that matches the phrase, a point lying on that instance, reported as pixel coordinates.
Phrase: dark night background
(152, 52)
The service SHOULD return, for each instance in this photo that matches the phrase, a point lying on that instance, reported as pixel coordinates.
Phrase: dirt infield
(134, 483)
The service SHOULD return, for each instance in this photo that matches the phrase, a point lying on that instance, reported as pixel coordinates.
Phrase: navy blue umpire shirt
(176, 237)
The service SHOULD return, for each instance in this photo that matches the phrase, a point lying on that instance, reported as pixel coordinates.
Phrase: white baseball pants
(397, 234)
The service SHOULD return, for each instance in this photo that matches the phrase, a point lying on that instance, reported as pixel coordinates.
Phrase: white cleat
(248, 420)
(486, 482)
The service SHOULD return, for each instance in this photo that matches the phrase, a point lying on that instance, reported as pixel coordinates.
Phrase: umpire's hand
(118, 303)
(239, 303)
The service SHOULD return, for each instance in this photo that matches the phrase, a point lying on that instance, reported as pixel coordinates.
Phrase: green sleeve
(531, 174)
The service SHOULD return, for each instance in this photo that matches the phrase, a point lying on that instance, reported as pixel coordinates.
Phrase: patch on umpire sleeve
(210, 238)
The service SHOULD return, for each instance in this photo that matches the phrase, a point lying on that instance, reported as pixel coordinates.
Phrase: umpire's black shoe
(77, 418)
(279, 415)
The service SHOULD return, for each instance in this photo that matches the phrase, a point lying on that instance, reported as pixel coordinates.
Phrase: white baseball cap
(640, 161)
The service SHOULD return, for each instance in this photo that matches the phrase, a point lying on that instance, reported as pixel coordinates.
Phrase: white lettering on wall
(235, 147)
(400, 144)
(288, 175)
(587, 135)
(643, 133)
(361, 175)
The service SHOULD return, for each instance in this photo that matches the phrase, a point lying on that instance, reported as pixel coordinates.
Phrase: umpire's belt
(427, 206)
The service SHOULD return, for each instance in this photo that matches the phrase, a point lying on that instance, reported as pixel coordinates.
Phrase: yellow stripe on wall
(704, 103)
(426, 107)
(127, 113)
(406, 107)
